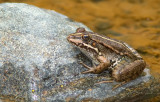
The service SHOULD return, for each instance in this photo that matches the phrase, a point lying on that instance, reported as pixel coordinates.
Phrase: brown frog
(123, 61)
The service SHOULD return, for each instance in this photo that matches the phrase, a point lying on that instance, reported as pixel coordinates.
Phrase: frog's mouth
(75, 40)
(82, 45)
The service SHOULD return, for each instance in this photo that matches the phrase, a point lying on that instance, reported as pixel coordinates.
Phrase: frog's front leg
(104, 64)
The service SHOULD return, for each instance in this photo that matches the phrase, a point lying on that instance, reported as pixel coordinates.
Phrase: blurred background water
(136, 22)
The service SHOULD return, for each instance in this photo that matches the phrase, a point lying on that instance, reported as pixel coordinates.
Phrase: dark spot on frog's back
(94, 44)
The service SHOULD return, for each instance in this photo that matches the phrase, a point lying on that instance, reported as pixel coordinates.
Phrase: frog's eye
(80, 29)
(85, 37)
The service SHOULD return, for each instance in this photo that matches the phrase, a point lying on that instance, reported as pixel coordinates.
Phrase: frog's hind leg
(119, 85)
(90, 69)
(107, 81)
(128, 73)
(111, 81)
(85, 65)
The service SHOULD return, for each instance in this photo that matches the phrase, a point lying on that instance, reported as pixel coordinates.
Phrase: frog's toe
(85, 65)
(119, 85)
(107, 81)
(88, 71)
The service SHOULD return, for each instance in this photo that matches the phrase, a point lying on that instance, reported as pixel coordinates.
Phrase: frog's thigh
(129, 72)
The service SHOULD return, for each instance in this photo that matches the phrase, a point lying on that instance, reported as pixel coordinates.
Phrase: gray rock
(38, 64)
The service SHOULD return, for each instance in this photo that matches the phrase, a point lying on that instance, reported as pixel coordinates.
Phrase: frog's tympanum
(124, 63)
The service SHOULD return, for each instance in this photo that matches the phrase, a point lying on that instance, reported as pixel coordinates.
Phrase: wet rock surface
(38, 64)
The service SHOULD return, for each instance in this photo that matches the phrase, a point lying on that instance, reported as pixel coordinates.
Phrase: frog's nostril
(70, 37)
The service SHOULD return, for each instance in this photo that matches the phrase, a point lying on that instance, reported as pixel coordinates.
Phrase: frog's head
(79, 38)
(82, 39)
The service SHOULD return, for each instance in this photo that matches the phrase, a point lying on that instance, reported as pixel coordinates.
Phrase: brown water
(136, 22)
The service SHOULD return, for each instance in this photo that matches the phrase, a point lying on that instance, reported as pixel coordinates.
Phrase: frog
(123, 62)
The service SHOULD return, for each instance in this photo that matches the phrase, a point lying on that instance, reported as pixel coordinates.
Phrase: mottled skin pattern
(106, 53)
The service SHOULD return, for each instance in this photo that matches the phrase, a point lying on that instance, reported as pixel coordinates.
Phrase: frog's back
(117, 46)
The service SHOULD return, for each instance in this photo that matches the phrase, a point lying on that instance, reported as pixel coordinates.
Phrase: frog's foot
(85, 66)
(108, 81)
(97, 69)
(90, 69)
(119, 85)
